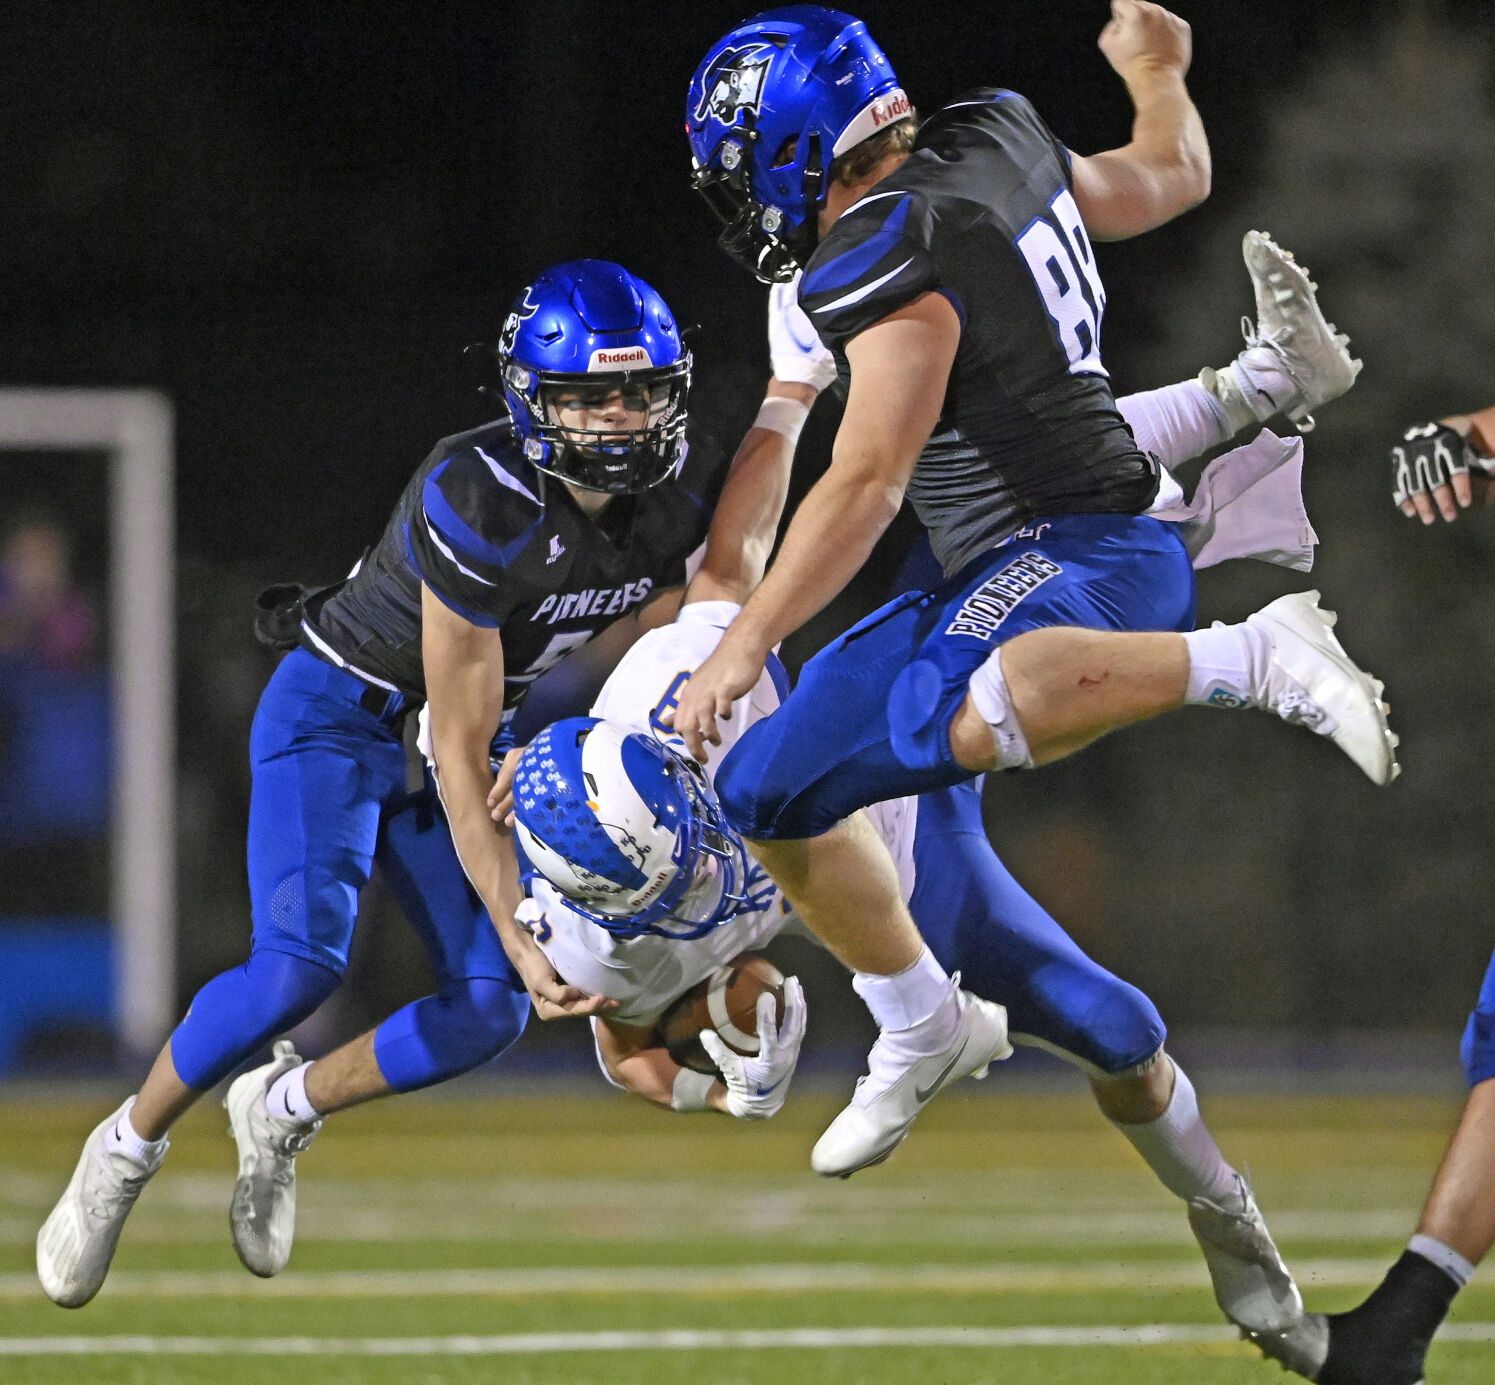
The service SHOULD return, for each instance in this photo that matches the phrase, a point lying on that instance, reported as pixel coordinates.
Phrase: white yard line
(455, 1218)
(667, 1340)
(695, 1281)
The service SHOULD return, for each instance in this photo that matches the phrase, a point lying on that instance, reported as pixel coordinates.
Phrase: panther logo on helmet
(736, 84)
(510, 332)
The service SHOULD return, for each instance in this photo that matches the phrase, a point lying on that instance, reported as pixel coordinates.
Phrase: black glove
(1427, 457)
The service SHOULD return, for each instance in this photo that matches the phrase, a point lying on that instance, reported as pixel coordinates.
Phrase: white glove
(757, 1085)
(797, 353)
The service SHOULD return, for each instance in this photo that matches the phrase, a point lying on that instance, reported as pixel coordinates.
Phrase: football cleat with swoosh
(898, 1085)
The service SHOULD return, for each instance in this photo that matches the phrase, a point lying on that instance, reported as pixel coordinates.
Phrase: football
(726, 1001)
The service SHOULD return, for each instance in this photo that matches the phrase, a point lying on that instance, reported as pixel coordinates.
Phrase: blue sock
(239, 1011)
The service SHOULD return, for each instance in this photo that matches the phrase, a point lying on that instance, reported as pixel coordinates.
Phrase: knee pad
(467, 1022)
(746, 789)
(920, 708)
(1477, 1050)
(1087, 1013)
(240, 1010)
(1126, 1030)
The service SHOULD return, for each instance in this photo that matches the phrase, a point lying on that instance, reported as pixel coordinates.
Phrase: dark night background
(291, 218)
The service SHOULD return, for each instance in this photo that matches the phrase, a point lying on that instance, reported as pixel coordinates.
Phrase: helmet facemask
(644, 446)
(759, 237)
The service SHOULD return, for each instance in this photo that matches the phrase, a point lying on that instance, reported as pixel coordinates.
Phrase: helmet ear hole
(786, 153)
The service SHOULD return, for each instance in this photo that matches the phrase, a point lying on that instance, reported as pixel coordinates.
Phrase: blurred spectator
(54, 699)
(42, 614)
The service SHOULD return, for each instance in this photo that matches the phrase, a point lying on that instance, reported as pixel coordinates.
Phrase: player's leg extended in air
(980, 923)
(1036, 645)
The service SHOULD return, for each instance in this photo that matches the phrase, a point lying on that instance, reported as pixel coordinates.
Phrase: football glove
(797, 353)
(757, 1085)
(1429, 455)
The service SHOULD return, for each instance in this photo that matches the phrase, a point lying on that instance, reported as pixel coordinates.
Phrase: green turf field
(448, 1240)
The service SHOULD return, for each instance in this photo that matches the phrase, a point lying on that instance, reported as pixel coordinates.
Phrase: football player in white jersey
(641, 891)
(981, 920)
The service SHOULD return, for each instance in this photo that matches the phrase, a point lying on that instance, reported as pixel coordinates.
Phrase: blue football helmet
(585, 332)
(629, 831)
(769, 109)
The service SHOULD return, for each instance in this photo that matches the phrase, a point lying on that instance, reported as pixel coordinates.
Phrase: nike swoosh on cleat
(923, 1094)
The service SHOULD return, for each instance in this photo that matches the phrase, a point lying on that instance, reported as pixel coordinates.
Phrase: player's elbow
(1193, 177)
(1174, 188)
(873, 493)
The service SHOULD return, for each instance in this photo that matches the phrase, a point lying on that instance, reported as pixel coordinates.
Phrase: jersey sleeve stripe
(472, 617)
(779, 675)
(508, 479)
(446, 552)
(856, 295)
(849, 266)
(441, 514)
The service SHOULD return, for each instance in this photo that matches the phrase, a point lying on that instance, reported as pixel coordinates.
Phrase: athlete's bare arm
(636, 1059)
(464, 668)
(746, 521)
(1165, 169)
(900, 367)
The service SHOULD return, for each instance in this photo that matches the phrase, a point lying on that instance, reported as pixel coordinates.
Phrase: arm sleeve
(875, 260)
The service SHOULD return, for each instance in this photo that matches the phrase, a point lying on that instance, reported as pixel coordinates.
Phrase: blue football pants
(869, 718)
(329, 799)
(980, 922)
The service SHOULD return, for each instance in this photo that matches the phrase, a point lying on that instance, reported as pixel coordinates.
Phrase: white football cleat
(1302, 1348)
(263, 1212)
(1312, 682)
(1252, 1284)
(899, 1085)
(1294, 359)
(76, 1243)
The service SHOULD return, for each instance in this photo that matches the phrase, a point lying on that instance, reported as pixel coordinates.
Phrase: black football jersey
(983, 211)
(505, 546)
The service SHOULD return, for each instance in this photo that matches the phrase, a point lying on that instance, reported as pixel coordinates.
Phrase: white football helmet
(629, 831)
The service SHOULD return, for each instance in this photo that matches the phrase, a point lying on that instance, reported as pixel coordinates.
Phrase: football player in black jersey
(950, 272)
(1439, 468)
(511, 545)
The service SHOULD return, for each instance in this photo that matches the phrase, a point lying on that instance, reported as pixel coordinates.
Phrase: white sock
(1264, 381)
(920, 995)
(1176, 423)
(1447, 1259)
(122, 1138)
(1180, 1150)
(1227, 665)
(287, 1096)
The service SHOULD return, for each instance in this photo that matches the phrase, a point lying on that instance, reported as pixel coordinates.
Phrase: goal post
(134, 429)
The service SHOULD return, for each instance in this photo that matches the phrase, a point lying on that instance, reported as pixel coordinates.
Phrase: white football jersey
(646, 974)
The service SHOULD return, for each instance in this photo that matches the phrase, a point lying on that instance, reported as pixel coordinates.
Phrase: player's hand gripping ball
(727, 1002)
